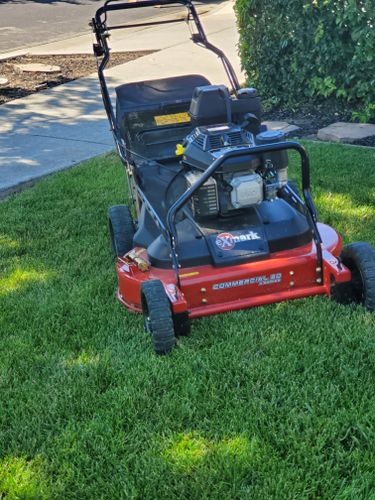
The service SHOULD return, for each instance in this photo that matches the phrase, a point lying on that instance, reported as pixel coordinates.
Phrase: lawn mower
(219, 225)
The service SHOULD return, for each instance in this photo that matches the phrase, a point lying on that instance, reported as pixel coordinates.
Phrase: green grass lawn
(273, 402)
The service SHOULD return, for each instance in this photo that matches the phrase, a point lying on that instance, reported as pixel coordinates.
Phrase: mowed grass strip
(273, 402)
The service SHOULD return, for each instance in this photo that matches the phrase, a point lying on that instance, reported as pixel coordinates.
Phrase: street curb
(12, 55)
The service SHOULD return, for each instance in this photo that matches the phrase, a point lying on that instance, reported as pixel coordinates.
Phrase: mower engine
(241, 182)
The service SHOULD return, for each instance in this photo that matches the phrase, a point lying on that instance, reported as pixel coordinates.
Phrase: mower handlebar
(102, 50)
(281, 146)
(112, 5)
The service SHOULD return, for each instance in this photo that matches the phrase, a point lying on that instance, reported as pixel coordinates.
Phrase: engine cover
(247, 190)
(205, 144)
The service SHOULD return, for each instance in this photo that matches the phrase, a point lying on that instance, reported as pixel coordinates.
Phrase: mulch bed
(310, 119)
(75, 66)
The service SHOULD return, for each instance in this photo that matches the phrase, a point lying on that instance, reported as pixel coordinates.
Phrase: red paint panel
(259, 300)
(209, 290)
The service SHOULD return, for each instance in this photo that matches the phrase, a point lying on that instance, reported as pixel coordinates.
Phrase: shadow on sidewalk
(56, 129)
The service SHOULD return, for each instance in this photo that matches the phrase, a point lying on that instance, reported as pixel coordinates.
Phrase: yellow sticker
(171, 119)
(187, 275)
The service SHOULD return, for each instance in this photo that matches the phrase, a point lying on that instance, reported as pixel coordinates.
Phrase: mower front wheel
(121, 229)
(359, 258)
(157, 316)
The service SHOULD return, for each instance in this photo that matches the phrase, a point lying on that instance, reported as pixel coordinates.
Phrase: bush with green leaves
(304, 51)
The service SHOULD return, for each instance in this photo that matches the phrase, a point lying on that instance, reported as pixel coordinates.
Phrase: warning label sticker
(171, 119)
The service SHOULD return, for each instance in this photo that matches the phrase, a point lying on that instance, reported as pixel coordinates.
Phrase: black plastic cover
(277, 226)
(246, 102)
(213, 104)
(139, 103)
(210, 104)
(154, 93)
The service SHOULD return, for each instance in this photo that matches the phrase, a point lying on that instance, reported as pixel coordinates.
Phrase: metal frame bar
(149, 23)
(310, 211)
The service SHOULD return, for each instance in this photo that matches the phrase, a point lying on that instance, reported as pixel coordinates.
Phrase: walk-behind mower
(219, 226)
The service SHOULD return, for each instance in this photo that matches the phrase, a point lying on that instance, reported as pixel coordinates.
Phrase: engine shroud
(242, 181)
(205, 144)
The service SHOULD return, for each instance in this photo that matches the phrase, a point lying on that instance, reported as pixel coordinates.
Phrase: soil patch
(21, 84)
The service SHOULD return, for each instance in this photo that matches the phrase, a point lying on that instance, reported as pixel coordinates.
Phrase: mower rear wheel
(157, 316)
(121, 229)
(359, 258)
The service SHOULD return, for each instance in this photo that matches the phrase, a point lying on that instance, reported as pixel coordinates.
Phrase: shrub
(303, 51)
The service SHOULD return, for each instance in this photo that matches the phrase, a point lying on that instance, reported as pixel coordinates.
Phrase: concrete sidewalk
(59, 127)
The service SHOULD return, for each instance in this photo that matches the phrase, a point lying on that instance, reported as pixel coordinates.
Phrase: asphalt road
(25, 23)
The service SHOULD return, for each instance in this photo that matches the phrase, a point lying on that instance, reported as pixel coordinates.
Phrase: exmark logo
(257, 280)
(227, 241)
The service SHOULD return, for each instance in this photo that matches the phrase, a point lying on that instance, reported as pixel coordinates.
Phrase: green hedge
(303, 51)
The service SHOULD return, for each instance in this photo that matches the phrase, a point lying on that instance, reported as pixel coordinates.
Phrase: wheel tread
(160, 314)
(122, 229)
(360, 256)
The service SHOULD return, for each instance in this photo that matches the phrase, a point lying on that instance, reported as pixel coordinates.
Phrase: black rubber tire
(360, 259)
(157, 316)
(121, 229)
